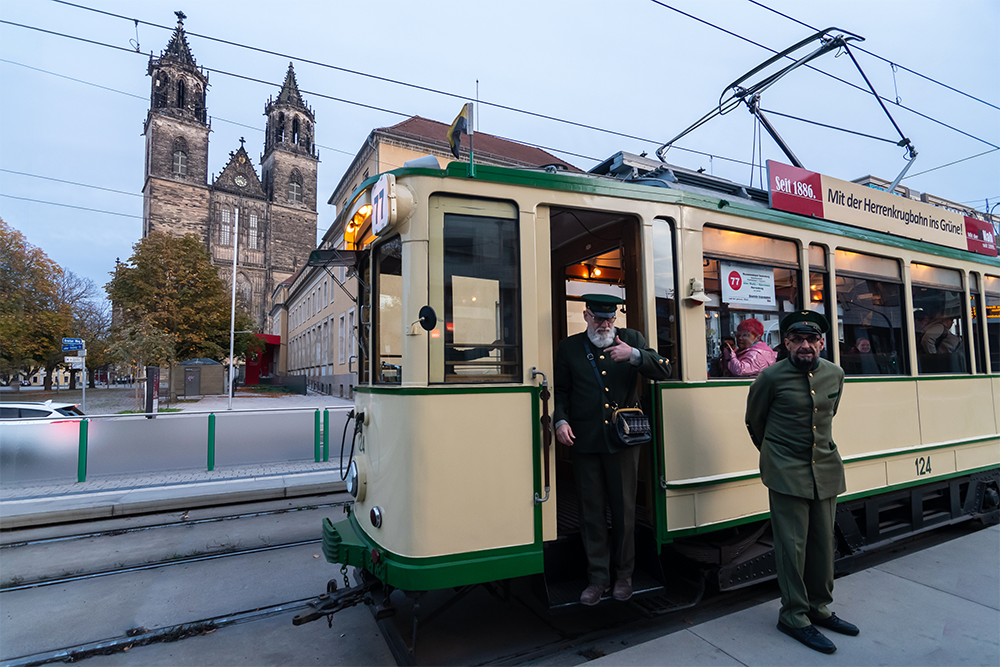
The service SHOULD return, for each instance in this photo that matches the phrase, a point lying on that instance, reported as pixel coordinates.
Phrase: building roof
(488, 146)
(290, 89)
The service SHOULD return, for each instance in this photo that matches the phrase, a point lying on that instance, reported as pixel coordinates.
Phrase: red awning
(269, 339)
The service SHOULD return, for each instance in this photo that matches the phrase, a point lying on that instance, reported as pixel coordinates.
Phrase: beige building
(314, 311)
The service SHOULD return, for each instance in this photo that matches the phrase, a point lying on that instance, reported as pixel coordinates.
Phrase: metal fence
(61, 450)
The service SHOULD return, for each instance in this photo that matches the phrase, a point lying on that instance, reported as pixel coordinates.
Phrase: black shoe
(832, 622)
(809, 636)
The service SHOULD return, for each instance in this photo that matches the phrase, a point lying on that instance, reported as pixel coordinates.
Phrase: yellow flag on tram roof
(462, 123)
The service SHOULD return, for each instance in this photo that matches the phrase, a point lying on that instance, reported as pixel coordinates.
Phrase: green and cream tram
(469, 282)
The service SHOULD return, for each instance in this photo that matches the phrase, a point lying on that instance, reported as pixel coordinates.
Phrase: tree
(171, 281)
(32, 316)
(139, 343)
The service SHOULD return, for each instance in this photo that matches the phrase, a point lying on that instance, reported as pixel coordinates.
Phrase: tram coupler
(330, 603)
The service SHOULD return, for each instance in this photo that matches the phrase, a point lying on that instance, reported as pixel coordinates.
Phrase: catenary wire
(82, 185)
(816, 69)
(395, 82)
(927, 171)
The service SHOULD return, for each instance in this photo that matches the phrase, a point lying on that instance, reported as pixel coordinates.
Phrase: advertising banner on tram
(808, 193)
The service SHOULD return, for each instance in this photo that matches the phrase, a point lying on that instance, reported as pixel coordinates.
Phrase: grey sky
(632, 66)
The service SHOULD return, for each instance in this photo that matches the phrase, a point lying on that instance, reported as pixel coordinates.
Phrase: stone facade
(275, 212)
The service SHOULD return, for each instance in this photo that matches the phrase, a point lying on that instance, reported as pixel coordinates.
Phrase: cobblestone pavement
(123, 483)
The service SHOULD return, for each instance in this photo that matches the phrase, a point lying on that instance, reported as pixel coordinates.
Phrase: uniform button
(810, 375)
(602, 356)
(604, 372)
(814, 428)
(815, 409)
(606, 405)
(814, 444)
(606, 389)
(813, 393)
(605, 421)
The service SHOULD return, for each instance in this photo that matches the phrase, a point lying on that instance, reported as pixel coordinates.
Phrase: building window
(180, 94)
(253, 232)
(225, 233)
(341, 342)
(180, 163)
(295, 188)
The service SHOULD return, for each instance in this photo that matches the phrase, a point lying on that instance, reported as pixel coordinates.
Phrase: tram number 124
(923, 465)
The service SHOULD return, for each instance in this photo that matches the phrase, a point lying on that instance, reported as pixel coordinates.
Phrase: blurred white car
(46, 410)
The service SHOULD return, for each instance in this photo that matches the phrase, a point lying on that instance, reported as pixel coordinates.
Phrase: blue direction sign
(71, 344)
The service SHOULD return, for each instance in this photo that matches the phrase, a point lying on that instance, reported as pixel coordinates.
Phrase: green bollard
(211, 442)
(316, 443)
(326, 436)
(81, 459)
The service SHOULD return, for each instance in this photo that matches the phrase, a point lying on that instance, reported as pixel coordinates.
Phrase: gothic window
(199, 103)
(225, 234)
(160, 90)
(279, 131)
(180, 163)
(295, 187)
(253, 232)
(295, 130)
(180, 94)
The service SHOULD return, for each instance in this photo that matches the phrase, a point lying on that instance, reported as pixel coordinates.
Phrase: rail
(136, 442)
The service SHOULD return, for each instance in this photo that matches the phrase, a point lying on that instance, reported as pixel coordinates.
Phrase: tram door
(593, 252)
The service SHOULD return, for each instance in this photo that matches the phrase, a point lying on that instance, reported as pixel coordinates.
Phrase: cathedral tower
(289, 177)
(175, 191)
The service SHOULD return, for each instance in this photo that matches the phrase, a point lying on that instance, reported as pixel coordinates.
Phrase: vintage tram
(468, 278)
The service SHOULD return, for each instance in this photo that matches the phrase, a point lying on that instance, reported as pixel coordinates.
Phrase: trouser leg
(590, 487)
(818, 572)
(789, 525)
(621, 478)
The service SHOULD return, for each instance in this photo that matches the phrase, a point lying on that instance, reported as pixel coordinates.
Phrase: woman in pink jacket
(752, 355)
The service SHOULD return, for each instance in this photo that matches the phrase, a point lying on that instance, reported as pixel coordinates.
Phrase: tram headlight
(357, 480)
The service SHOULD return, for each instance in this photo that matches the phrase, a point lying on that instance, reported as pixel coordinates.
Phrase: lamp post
(232, 308)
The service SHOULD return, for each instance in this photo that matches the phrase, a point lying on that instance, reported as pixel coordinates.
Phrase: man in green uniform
(789, 415)
(605, 473)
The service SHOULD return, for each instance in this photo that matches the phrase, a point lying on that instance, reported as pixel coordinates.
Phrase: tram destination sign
(808, 193)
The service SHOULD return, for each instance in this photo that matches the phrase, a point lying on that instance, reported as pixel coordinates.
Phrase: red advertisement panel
(980, 236)
(795, 190)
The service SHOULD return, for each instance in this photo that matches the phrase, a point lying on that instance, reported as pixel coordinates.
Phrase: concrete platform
(939, 606)
(40, 504)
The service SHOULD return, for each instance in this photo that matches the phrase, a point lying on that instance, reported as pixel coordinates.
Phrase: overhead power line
(82, 185)
(82, 208)
(886, 60)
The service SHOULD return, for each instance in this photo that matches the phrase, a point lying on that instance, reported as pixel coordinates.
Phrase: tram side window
(665, 287)
(942, 346)
(870, 312)
(746, 276)
(482, 299)
(388, 347)
(975, 294)
(991, 285)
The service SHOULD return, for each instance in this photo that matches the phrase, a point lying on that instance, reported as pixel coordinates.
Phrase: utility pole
(232, 308)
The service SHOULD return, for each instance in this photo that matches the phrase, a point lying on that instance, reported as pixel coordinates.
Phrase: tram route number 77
(923, 465)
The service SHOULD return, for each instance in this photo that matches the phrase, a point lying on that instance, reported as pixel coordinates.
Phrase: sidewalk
(939, 606)
(36, 504)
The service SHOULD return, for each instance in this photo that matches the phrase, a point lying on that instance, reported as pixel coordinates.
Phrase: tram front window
(942, 345)
(870, 313)
(388, 348)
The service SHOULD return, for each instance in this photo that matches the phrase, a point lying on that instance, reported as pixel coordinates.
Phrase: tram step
(566, 594)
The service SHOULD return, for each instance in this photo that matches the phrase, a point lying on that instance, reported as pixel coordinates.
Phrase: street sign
(71, 344)
(74, 362)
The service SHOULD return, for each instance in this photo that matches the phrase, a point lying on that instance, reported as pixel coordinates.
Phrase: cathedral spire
(290, 90)
(178, 50)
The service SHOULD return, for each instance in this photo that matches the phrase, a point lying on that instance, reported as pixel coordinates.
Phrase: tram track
(183, 560)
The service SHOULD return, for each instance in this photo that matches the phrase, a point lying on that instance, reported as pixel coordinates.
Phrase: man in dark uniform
(789, 415)
(604, 472)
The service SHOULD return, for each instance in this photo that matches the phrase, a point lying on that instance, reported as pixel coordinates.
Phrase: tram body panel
(704, 432)
(421, 450)
(877, 416)
(955, 409)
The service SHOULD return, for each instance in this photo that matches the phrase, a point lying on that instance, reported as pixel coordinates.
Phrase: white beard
(600, 340)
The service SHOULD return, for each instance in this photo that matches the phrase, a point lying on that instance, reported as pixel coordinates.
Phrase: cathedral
(275, 209)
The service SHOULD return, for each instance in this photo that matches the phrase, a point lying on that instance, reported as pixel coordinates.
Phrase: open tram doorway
(595, 252)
